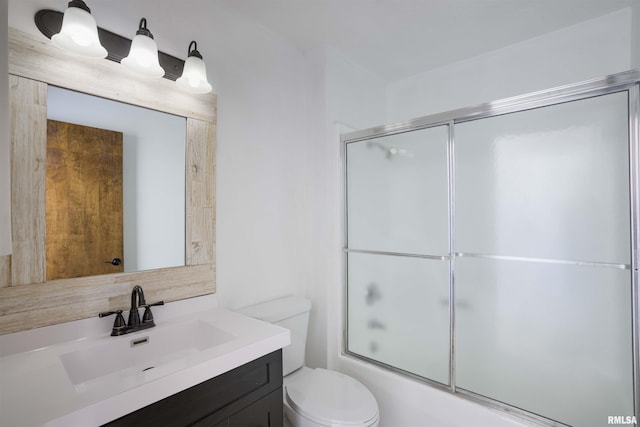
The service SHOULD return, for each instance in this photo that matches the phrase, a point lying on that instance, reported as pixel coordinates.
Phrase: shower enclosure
(493, 251)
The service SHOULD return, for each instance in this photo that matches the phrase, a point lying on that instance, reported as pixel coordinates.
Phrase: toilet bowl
(319, 397)
(314, 397)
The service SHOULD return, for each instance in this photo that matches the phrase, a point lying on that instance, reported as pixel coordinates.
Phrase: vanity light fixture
(190, 74)
(194, 74)
(143, 56)
(79, 32)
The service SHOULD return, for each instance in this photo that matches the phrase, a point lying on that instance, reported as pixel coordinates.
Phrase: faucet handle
(119, 326)
(147, 317)
(154, 304)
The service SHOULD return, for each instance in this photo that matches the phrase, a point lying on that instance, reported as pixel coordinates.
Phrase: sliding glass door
(527, 216)
(543, 283)
(398, 222)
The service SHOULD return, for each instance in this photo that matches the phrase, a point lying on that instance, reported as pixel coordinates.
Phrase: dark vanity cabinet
(248, 396)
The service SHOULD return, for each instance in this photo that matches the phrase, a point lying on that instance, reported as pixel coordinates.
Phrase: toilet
(314, 397)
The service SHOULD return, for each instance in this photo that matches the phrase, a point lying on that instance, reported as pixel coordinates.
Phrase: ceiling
(391, 38)
(398, 38)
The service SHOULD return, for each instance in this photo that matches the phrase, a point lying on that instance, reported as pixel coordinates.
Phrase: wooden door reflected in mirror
(83, 201)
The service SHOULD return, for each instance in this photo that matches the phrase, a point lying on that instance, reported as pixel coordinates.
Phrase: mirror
(27, 299)
(153, 179)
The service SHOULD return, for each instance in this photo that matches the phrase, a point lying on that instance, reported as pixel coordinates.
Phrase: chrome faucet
(133, 324)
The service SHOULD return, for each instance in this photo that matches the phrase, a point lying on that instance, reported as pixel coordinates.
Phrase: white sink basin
(74, 374)
(141, 356)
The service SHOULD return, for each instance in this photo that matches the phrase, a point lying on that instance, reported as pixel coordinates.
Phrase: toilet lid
(331, 398)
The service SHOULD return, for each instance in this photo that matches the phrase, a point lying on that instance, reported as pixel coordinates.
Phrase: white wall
(269, 127)
(352, 98)
(355, 97)
(635, 35)
(5, 175)
(591, 49)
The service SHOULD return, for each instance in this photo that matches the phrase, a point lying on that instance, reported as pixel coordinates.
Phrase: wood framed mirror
(27, 299)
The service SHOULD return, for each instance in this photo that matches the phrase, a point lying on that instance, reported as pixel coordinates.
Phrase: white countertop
(35, 389)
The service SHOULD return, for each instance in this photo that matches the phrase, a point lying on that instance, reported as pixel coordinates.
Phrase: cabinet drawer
(214, 400)
(266, 412)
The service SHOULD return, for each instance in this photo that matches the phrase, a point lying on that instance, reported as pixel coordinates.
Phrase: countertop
(35, 389)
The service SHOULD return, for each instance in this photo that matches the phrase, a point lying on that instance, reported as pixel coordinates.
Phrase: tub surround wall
(29, 301)
(591, 49)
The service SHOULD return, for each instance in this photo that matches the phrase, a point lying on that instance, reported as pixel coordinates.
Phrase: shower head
(389, 152)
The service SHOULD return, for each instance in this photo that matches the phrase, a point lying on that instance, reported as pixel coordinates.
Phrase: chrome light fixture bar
(49, 22)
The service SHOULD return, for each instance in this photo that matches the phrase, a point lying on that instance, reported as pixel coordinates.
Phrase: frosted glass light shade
(194, 76)
(143, 57)
(79, 34)
(194, 73)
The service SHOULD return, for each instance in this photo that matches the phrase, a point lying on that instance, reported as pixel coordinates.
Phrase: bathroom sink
(129, 360)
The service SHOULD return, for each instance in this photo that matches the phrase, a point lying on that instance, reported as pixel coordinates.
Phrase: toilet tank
(291, 313)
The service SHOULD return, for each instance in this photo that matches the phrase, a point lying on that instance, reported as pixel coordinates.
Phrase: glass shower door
(496, 256)
(543, 280)
(398, 251)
